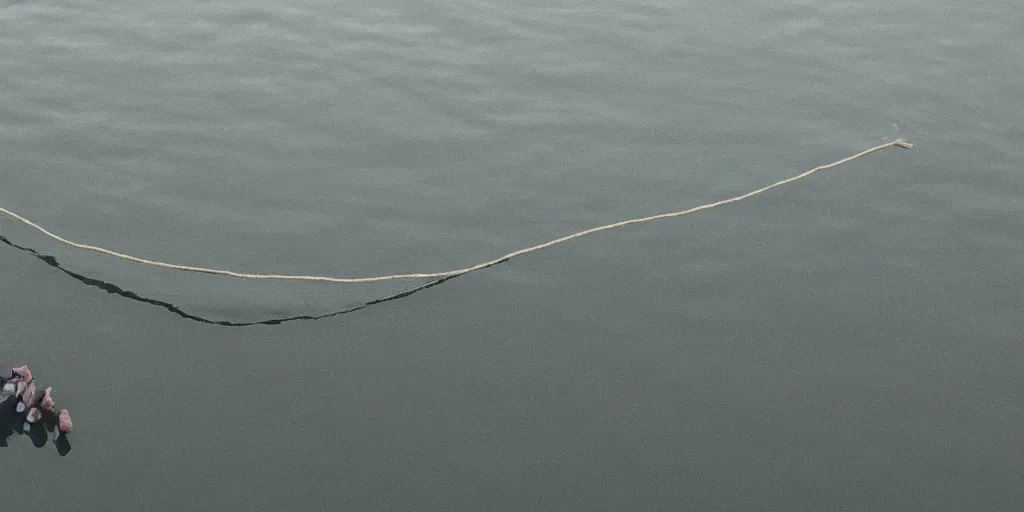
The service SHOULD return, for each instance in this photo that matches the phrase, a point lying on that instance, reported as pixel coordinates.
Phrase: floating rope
(452, 273)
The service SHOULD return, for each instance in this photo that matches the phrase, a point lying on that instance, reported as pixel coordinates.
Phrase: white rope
(451, 273)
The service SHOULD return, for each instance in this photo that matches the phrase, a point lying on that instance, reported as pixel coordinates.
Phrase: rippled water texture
(850, 342)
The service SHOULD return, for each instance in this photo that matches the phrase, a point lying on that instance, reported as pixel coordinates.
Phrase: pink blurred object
(28, 398)
(47, 399)
(24, 372)
(64, 423)
(34, 402)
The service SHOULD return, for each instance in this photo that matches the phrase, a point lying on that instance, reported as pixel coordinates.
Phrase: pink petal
(29, 396)
(24, 372)
(64, 423)
(47, 399)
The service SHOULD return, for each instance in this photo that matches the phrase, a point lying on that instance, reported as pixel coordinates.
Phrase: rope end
(902, 143)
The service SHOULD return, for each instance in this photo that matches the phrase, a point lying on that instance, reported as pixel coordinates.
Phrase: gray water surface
(850, 342)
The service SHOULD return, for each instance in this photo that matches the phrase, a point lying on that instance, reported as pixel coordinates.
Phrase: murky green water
(851, 342)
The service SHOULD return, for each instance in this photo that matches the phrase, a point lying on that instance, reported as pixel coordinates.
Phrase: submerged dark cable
(117, 290)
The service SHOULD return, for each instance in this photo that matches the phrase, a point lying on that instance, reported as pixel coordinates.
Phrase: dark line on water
(117, 290)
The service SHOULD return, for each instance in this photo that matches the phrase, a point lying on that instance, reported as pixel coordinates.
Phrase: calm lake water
(850, 342)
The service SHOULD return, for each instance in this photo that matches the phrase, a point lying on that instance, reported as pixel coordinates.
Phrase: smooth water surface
(850, 342)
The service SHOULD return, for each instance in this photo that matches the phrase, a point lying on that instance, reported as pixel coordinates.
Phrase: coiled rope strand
(452, 273)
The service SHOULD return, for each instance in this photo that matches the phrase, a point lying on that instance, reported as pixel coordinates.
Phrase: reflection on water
(12, 422)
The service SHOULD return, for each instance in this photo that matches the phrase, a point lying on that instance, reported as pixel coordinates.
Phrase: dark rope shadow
(117, 290)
